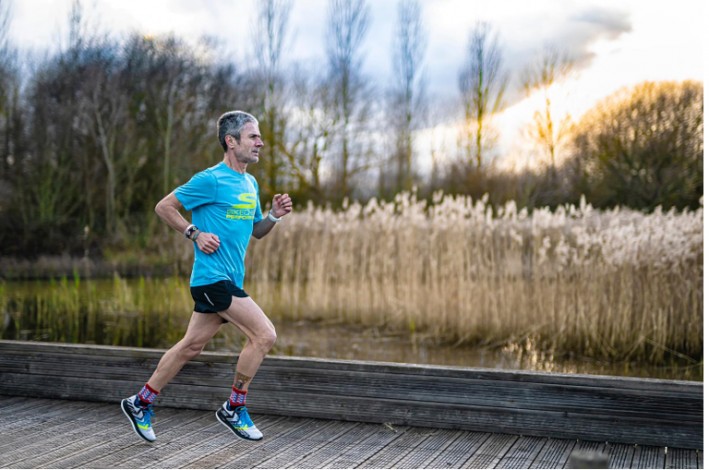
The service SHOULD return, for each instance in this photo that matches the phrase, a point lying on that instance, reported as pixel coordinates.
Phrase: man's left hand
(281, 205)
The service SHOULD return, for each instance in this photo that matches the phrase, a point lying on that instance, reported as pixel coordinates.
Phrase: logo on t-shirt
(245, 210)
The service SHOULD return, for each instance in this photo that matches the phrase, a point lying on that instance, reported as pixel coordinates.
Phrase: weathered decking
(59, 408)
(44, 433)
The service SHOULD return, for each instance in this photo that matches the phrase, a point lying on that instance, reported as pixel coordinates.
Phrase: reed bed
(119, 312)
(619, 284)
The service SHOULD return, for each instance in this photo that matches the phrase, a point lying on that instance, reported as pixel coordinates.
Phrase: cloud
(586, 28)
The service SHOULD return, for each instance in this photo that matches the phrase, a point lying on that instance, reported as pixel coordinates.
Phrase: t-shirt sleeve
(200, 189)
(258, 216)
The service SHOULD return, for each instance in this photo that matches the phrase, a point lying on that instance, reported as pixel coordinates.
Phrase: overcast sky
(616, 42)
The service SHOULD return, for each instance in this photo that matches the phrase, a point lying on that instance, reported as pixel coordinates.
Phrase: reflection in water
(316, 339)
(132, 313)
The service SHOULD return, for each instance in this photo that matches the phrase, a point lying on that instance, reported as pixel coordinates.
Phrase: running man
(226, 213)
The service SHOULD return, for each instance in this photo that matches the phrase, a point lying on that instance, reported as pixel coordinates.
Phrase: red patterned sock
(237, 398)
(147, 395)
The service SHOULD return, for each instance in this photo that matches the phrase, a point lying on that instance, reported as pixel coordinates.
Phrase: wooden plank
(355, 455)
(619, 455)
(79, 438)
(586, 446)
(681, 458)
(459, 451)
(24, 407)
(648, 457)
(28, 411)
(313, 432)
(206, 434)
(116, 450)
(522, 453)
(501, 420)
(100, 445)
(491, 451)
(486, 393)
(437, 442)
(554, 454)
(50, 445)
(308, 448)
(639, 384)
(58, 425)
(322, 456)
(397, 450)
(215, 444)
(299, 365)
(13, 433)
(211, 371)
(10, 403)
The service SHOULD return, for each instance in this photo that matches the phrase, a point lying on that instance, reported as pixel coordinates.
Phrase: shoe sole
(132, 421)
(229, 426)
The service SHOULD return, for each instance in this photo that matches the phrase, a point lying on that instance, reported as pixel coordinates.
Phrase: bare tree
(547, 130)
(309, 136)
(5, 17)
(482, 83)
(408, 95)
(270, 39)
(348, 23)
(9, 91)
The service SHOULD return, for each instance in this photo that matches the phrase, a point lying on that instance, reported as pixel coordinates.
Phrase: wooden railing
(600, 408)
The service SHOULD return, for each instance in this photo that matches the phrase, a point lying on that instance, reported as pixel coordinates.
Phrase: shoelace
(244, 417)
(147, 413)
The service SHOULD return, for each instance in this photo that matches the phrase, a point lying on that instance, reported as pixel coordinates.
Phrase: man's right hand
(207, 242)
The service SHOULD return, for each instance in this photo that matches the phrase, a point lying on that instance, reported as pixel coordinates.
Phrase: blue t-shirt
(226, 203)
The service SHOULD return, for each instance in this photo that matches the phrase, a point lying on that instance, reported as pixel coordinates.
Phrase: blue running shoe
(139, 417)
(239, 421)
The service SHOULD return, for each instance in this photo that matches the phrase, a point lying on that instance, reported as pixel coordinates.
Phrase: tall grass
(143, 313)
(615, 284)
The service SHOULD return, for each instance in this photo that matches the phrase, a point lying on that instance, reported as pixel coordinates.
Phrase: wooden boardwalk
(59, 408)
(53, 433)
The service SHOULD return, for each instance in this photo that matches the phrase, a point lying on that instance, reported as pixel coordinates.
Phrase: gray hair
(231, 123)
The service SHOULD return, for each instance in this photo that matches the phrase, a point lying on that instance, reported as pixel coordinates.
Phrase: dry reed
(614, 284)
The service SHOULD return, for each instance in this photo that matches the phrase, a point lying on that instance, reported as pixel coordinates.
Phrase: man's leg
(202, 328)
(246, 315)
(138, 408)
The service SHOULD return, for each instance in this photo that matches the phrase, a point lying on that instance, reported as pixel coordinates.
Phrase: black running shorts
(216, 297)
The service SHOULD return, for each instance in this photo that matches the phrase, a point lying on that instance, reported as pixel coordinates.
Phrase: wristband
(273, 218)
(189, 231)
(194, 235)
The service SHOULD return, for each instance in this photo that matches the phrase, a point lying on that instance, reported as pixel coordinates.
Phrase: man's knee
(266, 340)
(190, 348)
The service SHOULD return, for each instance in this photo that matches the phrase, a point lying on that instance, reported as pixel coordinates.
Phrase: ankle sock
(237, 398)
(147, 395)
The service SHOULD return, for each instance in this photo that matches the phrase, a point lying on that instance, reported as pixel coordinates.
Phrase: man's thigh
(202, 327)
(246, 315)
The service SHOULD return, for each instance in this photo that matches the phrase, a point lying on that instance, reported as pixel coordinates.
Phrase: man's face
(247, 150)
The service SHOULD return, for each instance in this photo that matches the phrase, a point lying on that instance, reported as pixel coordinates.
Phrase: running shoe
(139, 417)
(239, 421)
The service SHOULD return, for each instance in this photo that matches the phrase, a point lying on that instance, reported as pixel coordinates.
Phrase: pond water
(154, 314)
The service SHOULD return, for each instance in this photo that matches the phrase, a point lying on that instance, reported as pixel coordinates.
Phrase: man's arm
(281, 205)
(168, 209)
